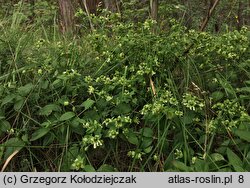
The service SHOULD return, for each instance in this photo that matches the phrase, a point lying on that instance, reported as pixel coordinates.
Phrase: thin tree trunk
(111, 5)
(92, 5)
(87, 11)
(154, 16)
(240, 16)
(66, 16)
(205, 22)
(187, 15)
(154, 9)
(248, 16)
(209, 14)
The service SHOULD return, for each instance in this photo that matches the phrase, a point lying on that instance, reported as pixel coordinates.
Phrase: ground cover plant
(129, 95)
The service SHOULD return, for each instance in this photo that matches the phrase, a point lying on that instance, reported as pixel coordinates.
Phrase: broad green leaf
(106, 168)
(146, 142)
(69, 157)
(48, 138)
(56, 84)
(44, 84)
(217, 157)
(247, 82)
(170, 113)
(12, 145)
(147, 132)
(4, 125)
(76, 125)
(181, 166)
(228, 169)
(39, 133)
(244, 97)
(25, 90)
(132, 138)
(245, 89)
(1, 154)
(2, 117)
(226, 85)
(48, 109)
(89, 168)
(248, 156)
(122, 108)
(235, 161)
(8, 99)
(18, 104)
(148, 149)
(188, 117)
(244, 135)
(87, 104)
(67, 116)
(25, 138)
(201, 165)
(217, 95)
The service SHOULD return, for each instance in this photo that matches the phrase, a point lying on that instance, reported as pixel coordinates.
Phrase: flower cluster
(136, 154)
(92, 140)
(79, 163)
(114, 124)
(165, 104)
(192, 102)
(229, 115)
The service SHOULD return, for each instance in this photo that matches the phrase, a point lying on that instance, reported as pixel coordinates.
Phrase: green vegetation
(126, 96)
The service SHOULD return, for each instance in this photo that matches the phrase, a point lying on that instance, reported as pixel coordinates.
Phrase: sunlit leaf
(67, 116)
(235, 161)
(244, 135)
(39, 133)
(88, 104)
(25, 90)
(48, 109)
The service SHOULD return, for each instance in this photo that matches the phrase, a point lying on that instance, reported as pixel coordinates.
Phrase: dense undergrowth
(123, 98)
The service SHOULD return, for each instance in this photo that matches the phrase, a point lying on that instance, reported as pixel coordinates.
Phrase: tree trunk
(66, 16)
(240, 15)
(213, 5)
(154, 9)
(187, 16)
(92, 5)
(111, 5)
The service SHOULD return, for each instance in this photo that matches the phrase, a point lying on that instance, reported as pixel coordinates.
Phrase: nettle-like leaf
(88, 104)
(245, 89)
(122, 108)
(147, 132)
(48, 109)
(181, 166)
(67, 116)
(4, 126)
(89, 168)
(217, 157)
(148, 149)
(244, 135)
(235, 161)
(217, 95)
(8, 99)
(132, 138)
(106, 168)
(188, 117)
(39, 133)
(146, 142)
(19, 103)
(12, 145)
(25, 90)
